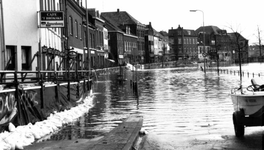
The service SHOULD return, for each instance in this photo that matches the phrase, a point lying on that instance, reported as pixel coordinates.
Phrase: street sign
(120, 56)
(51, 19)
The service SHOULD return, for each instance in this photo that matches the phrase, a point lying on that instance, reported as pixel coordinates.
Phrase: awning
(77, 50)
(98, 50)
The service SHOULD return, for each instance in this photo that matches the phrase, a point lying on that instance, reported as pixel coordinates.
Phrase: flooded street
(182, 108)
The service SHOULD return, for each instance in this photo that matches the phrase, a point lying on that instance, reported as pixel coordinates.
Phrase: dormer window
(127, 30)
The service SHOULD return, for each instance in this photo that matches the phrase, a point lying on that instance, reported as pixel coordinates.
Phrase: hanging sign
(51, 19)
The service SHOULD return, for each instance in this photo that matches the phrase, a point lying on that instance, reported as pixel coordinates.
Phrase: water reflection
(173, 102)
(186, 102)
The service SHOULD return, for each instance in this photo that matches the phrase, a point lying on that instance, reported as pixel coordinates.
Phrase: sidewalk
(206, 142)
(122, 137)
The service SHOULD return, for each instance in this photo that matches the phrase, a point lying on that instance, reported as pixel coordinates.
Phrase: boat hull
(250, 103)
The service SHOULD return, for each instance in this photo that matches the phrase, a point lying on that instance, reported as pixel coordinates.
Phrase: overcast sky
(243, 16)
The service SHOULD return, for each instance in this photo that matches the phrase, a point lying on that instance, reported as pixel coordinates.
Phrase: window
(70, 26)
(76, 29)
(46, 5)
(179, 32)
(26, 56)
(80, 31)
(10, 55)
(58, 6)
(53, 5)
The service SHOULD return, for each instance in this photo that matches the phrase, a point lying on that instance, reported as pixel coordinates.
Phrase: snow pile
(22, 136)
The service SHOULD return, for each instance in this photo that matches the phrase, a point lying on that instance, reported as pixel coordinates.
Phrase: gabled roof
(121, 17)
(236, 35)
(208, 30)
(110, 24)
(164, 33)
(189, 32)
(156, 33)
(180, 30)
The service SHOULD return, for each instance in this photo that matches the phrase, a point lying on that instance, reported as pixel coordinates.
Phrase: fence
(237, 72)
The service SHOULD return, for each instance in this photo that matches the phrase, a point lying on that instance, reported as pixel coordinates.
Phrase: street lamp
(204, 53)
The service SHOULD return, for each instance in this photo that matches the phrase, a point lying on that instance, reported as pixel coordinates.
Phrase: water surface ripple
(173, 102)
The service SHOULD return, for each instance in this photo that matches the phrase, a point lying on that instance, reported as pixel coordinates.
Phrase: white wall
(20, 22)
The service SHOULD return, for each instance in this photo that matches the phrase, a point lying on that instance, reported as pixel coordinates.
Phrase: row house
(256, 51)
(149, 44)
(21, 34)
(216, 44)
(122, 43)
(99, 45)
(73, 34)
(156, 45)
(239, 47)
(130, 26)
(220, 45)
(160, 47)
(34, 42)
(76, 33)
(207, 42)
(183, 43)
(166, 47)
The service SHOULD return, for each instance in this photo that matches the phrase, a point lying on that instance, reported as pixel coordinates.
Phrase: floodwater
(179, 106)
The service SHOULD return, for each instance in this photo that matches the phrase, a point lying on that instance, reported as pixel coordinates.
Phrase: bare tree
(259, 42)
(239, 44)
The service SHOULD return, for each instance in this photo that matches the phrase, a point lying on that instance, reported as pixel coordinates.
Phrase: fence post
(41, 91)
(17, 97)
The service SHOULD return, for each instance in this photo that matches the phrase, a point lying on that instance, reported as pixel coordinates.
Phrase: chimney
(118, 10)
(150, 23)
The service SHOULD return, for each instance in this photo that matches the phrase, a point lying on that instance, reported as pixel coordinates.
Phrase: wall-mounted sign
(120, 56)
(51, 19)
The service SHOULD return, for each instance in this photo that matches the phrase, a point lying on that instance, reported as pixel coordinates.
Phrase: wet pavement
(254, 141)
(182, 108)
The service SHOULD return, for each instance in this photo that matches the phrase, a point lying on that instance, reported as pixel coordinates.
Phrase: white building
(23, 37)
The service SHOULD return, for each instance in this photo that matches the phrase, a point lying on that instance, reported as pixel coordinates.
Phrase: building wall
(130, 48)
(21, 27)
(50, 37)
(75, 39)
(184, 43)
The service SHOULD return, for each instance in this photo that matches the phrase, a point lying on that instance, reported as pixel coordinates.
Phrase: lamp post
(204, 53)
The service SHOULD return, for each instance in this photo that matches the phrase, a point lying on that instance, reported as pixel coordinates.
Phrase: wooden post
(41, 91)
(57, 92)
(17, 97)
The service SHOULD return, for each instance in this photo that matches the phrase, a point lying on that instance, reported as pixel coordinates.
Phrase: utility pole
(204, 53)
(87, 38)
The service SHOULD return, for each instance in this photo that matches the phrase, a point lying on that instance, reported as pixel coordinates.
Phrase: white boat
(248, 107)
